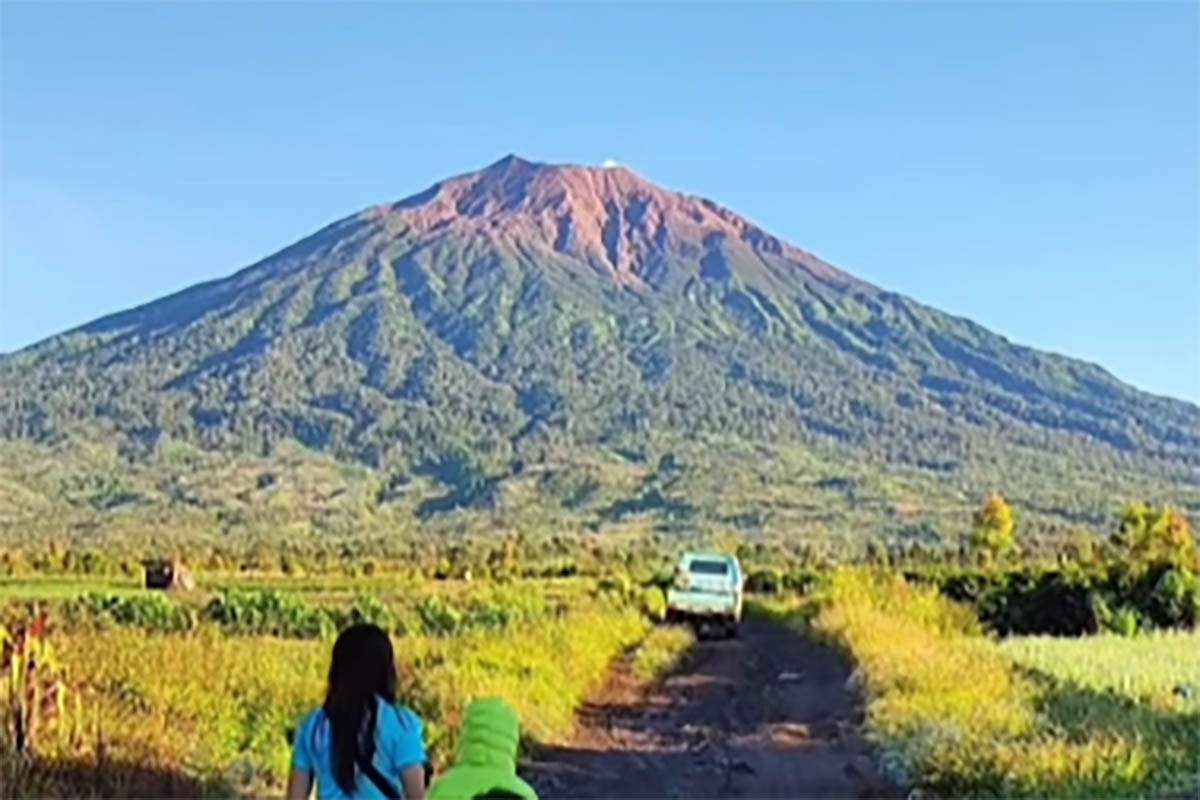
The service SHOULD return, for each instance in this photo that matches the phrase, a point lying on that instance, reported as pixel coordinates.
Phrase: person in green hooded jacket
(486, 762)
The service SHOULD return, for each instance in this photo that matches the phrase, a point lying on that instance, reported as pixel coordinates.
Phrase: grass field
(57, 588)
(213, 710)
(955, 713)
(206, 708)
(1160, 670)
(54, 587)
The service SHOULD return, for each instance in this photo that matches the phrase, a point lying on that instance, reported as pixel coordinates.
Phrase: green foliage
(1155, 535)
(765, 581)
(773, 580)
(992, 536)
(438, 618)
(1080, 547)
(620, 586)
(472, 379)
(653, 603)
(278, 613)
(1155, 668)
(500, 610)
(369, 609)
(209, 709)
(953, 717)
(151, 611)
(33, 687)
(1176, 596)
(1070, 601)
(802, 579)
(268, 612)
(1144, 686)
(1124, 621)
(1145, 578)
(663, 649)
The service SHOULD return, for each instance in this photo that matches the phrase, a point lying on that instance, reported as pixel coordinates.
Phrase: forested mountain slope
(586, 335)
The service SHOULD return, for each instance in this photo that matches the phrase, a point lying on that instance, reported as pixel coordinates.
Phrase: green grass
(64, 588)
(1147, 669)
(325, 589)
(661, 651)
(205, 708)
(953, 713)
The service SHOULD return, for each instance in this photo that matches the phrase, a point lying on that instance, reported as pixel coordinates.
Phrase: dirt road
(768, 714)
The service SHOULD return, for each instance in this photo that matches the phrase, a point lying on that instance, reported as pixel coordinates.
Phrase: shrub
(802, 579)
(765, 581)
(270, 612)
(438, 618)
(953, 715)
(152, 612)
(654, 603)
(367, 608)
(617, 585)
(1071, 600)
(489, 615)
(992, 535)
(1126, 622)
(661, 651)
(663, 578)
(1176, 596)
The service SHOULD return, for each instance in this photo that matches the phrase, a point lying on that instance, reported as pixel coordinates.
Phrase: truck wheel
(731, 629)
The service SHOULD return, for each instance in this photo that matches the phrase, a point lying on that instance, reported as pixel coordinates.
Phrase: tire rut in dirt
(769, 714)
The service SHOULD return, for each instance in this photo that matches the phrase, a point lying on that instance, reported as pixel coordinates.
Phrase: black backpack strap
(385, 786)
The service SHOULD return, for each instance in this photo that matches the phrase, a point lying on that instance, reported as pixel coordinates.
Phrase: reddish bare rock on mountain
(607, 218)
(586, 321)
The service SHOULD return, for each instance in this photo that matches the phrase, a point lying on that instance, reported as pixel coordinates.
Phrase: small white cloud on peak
(610, 164)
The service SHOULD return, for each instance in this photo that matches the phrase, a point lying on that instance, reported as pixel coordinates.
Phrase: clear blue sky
(1031, 165)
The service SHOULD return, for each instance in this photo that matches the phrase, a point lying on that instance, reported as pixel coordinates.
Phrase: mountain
(578, 341)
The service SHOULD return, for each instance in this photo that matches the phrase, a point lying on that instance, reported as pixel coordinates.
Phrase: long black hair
(363, 669)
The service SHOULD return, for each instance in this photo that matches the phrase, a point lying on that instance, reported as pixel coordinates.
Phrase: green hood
(487, 754)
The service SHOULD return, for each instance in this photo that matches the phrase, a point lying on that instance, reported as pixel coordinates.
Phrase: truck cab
(707, 591)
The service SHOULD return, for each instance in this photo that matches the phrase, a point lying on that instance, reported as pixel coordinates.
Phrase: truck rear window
(709, 567)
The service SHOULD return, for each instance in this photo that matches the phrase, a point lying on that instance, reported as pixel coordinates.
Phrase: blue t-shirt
(397, 746)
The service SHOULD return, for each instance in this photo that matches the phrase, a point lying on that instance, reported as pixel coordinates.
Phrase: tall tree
(992, 536)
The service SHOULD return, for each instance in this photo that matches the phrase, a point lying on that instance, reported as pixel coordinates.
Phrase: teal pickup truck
(707, 591)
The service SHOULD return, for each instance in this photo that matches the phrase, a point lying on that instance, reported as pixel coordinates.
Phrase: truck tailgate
(701, 602)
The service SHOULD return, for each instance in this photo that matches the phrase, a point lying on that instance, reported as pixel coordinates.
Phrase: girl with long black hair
(360, 743)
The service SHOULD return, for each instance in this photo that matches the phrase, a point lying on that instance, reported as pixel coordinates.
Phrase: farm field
(956, 713)
(209, 708)
(193, 692)
(1160, 669)
(317, 588)
(50, 588)
(787, 400)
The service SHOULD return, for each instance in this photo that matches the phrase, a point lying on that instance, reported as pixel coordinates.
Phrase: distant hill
(572, 343)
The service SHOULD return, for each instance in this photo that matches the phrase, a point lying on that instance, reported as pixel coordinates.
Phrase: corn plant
(33, 692)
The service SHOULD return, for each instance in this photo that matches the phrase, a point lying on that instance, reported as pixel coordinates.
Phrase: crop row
(270, 612)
